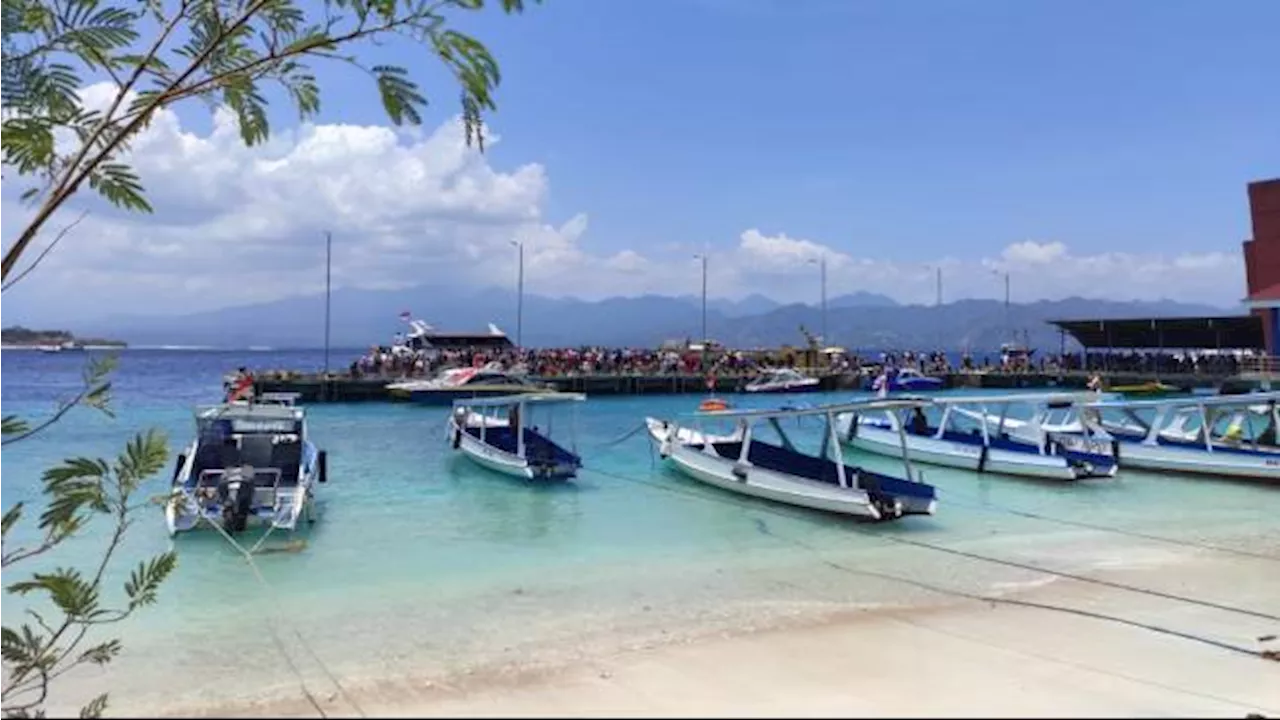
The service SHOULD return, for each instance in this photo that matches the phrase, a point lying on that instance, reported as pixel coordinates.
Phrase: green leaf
(400, 96)
(95, 707)
(145, 580)
(144, 456)
(11, 517)
(241, 95)
(120, 186)
(13, 425)
(102, 653)
(75, 597)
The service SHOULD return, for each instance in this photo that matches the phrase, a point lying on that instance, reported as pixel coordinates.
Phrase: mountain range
(858, 321)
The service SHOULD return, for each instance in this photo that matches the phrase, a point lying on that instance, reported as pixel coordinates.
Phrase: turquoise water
(424, 565)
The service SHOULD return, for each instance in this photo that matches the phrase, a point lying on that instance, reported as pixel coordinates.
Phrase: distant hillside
(861, 320)
(19, 336)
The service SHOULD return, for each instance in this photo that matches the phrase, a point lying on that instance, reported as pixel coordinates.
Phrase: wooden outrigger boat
(499, 433)
(743, 462)
(968, 436)
(1225, 435)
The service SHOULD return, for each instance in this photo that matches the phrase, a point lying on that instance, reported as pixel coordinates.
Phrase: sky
(1086, 149)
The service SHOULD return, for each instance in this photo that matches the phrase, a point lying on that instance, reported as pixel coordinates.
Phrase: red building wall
(1262, 253)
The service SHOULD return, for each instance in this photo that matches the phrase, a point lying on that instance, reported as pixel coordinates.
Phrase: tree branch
(67, 186)
(61, 234)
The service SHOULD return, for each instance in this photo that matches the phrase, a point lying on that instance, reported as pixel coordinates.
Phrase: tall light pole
(519, 294)
(703, 258)
(1005, 273)
(937, 273)
(328, 275)
(822, 264)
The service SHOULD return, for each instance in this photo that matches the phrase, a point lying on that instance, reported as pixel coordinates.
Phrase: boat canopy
(1243, 400)
(521, 399)
(1036, 398)
(837, 408)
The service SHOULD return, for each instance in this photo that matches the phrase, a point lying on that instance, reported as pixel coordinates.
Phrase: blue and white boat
(957, 436)
(743, 462)
(250, 464)
(1221, 435)
(504, 435)
(904, 380)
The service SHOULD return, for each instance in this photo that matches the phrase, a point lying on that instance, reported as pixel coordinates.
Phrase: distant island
(18, 336)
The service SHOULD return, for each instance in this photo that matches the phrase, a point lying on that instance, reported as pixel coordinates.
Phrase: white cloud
(235, 225)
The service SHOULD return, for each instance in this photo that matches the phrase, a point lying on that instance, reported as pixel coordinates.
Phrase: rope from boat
(782, 512)
(275, 599)
(976, 504)
(988, 507)
(625, 436)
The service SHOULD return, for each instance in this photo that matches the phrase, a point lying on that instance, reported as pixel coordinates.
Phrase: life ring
(713, 405)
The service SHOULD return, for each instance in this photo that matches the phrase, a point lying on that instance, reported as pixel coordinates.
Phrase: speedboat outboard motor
(236, 495)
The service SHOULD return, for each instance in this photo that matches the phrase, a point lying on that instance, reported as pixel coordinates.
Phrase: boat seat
(536, 447)
(779, 459)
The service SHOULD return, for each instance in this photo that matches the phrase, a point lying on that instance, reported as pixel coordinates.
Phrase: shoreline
(948, 657)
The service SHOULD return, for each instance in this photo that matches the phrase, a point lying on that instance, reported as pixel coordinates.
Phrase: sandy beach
(955, 658)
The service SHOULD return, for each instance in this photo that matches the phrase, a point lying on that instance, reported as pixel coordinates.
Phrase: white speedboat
(782, 380)
(959, 437)
(250, 464)
(743, 462)
(461, 383)
(504, 435)
(1224, 435)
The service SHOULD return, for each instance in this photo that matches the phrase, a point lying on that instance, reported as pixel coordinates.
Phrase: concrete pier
(344, 388)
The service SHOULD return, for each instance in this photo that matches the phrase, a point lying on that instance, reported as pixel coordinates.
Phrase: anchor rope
(275, 598)
(976, 504)
(738, 502)
(624, 437)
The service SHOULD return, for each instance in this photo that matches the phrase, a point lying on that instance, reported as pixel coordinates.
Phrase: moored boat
(904, 380)
(251, 463)
(500, 433)
(782, 380)
(743, 462)
(1221, 435)
(966, 435)
(463, 383)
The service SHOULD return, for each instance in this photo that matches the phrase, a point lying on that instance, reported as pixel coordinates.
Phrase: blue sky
(890, 134)
(922, 126)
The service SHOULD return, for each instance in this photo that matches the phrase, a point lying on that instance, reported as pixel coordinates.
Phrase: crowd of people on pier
(401, 362)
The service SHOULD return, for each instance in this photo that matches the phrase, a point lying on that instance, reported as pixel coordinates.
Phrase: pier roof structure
(1226, 332)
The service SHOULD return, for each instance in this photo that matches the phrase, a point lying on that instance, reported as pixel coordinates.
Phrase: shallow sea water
(424, 565)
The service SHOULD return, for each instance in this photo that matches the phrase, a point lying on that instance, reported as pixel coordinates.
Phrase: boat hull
(500, 461)
(444, 397)
(1197, 461)
(184, 515)
(880, 440)
(788, 389)
(755, 481)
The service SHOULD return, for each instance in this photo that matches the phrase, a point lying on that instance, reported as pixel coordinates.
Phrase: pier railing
(1265, 365)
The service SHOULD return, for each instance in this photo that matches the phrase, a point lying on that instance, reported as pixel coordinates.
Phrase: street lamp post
(1007, 326)
(702, 257)
(519, 294)
(822, 265)
(937, 273)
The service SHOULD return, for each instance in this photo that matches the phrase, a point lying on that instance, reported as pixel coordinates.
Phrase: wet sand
(955, 658)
